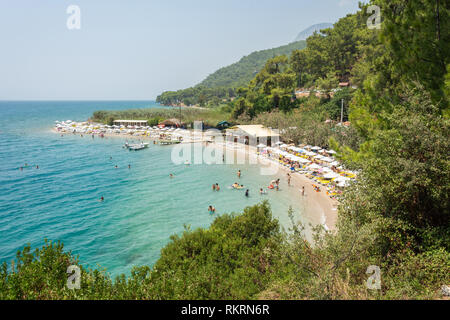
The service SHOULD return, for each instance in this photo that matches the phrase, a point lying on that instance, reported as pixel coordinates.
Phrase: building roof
(130, 121)
(257, 130)
(171, 122)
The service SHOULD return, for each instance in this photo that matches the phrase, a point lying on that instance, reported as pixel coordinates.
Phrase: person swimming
(214, 187)
(129, 166)
(211, 209)
(171, 175)
(246, 193)
(239, 173)
(101, 199)
(217, 187)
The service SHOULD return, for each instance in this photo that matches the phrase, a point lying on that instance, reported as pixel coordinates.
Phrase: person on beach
(217, 187)
(246, 193)
(289, 179)
(303, 190)
(239, 173)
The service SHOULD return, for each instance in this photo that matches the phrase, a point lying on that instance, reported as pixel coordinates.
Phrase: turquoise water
(142, 206)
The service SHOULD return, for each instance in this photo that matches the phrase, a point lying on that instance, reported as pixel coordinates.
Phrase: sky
(136, 49)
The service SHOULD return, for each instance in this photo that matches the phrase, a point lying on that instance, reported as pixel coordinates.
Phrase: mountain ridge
(303, 35)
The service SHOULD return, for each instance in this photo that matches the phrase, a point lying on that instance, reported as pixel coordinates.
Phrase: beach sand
(318, 206)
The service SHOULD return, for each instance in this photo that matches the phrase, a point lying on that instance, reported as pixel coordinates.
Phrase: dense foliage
(210, 117)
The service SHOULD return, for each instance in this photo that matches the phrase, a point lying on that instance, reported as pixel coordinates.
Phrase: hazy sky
(135, 49)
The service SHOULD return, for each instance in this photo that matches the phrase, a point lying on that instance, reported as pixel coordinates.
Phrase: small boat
(139, 146)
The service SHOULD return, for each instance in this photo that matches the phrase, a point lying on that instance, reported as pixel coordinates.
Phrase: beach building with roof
(141, 123)
(172, 123)
(252, 134)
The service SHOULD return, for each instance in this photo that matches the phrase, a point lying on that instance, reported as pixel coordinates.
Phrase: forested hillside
(240, 73)
(220, 86)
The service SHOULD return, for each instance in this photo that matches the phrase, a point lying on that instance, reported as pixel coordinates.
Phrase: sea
(142, 205)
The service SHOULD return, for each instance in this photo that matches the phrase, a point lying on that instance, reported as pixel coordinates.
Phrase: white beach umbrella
(331, 175)
(261, 145)
(315, 166)
(316, 148)
(326, 159)
(331, 152)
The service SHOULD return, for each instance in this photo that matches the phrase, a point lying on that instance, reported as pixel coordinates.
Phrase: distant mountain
(310, 31)
(240, 73)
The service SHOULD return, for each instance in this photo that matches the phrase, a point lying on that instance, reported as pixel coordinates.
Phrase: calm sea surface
(142, 207)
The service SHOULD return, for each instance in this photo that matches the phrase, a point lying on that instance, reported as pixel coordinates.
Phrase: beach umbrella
(331, 152)
(331, 175)
(303, 160)
(309, 153)
(284, 146)
(261, 145)
(316, 148)
(334, 163)
(315, 166)
(278, 143)
(326, 159)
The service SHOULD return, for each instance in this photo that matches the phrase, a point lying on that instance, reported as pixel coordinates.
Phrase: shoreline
(319, 208)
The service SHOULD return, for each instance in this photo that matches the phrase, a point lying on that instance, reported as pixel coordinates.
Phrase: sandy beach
(319, 208)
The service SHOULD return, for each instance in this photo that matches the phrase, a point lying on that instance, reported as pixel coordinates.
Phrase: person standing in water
(101, 199)
(246, 193)
(129, 166)
(214, 187)
(211, 209)
(239, 173)
(217, 187)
